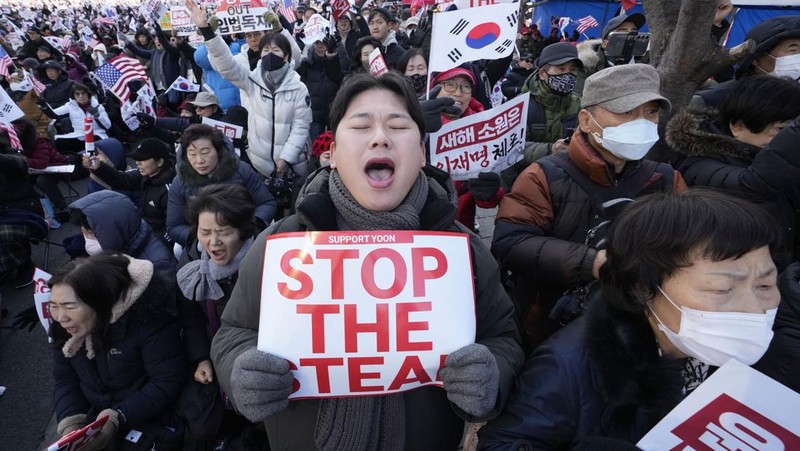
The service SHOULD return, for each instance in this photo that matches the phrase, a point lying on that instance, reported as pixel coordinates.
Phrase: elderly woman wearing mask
(688, 285)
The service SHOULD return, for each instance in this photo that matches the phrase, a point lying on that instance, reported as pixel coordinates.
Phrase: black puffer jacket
(138, 366)
(599, 376)
(767, 176)
(57, 92)
(155, 191)
(322, 76)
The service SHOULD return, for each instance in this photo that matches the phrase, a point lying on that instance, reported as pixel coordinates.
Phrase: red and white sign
(79, 438)
(241, 16)
(366, 313)
(489, 141)
(315, 29)
(230, 130)
(737, 408)
(41, 297)
(339, 8)
(377, 65)
(182, 23)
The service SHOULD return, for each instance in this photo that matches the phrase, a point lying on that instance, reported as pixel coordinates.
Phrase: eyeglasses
(451, 86)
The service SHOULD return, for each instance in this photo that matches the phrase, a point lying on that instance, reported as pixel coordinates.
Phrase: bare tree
(684, 51)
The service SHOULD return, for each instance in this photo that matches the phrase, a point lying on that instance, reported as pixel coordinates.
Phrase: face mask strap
(670, 300)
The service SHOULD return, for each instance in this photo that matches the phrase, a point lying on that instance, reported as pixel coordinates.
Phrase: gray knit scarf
(350, 215)
(198, 279)
(368, 422)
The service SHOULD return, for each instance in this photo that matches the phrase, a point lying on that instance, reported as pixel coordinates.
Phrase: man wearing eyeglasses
(206, 105)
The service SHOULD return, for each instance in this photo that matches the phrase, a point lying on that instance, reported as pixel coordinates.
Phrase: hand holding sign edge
(261, 384)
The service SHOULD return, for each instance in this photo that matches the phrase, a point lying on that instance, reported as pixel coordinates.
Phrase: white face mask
(629, 141)
(787, 66)
(92, 246)
(716, 337)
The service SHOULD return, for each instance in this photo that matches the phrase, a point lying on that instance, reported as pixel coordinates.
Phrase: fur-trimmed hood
(694, 132)
(226, 166)
(637, 385)
(141, 272)
(589, 53)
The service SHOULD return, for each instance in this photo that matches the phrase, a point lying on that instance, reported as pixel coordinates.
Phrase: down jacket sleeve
(520, 238)
(162, 355)
(67, 394)
(221, 58)
(774, 170)
(496, 327)
(294, 151)
(177, 227)
(265, 203)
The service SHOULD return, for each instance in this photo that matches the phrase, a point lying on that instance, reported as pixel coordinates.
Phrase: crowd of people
(591, 303)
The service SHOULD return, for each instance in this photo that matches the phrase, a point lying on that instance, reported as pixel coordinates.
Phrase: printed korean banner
(377, 65)
(366, 313)
(241, 16)
(181, 21)
(230, 130)
(737, 408)
(41, 296)
(79, 438)
(315, 29)
(489, 141)
(472, 34)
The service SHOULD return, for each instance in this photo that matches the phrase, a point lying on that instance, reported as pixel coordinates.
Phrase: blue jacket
(226, 92)
(118, 226)
(138, 366)
(229, 170)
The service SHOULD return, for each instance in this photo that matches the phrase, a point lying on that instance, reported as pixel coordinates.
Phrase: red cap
(452, 73)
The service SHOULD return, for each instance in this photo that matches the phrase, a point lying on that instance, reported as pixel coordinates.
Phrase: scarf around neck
(198, 279)
(350, 215)
(367, 422)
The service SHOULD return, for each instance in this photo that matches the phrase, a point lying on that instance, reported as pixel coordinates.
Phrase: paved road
(26, 410)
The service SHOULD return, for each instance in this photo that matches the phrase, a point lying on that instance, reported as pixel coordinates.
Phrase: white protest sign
(152, 9)
(315, 29)
(489, 141)
(41, 297)
(182, 23)
(15, 40)
(9, 111)
(366, 313)
(377, 65)
(241, 16)
(737, 408)
(128, 112)
(230, 130)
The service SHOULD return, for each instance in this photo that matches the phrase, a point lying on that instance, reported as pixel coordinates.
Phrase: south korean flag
(473, 34)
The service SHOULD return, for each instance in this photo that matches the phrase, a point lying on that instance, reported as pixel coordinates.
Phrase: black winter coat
(599, 376)
(138, 367)
(155, 192)
(119, 226)
(57, 93)
(322, 76)
(767, 176)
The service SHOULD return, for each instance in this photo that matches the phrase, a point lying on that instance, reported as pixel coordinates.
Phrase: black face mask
(271, 61)
(418, 81)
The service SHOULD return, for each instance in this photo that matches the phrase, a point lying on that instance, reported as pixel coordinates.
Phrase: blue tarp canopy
(547, 14)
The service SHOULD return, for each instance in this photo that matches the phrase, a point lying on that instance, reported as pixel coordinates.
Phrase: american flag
(13, 139)
(5, 62)
(286, 10)
(116, 74)
(38, 86)
(585, 23)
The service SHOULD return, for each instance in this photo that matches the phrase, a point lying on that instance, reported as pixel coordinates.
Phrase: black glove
(434, 108)
(145, 120)
(509, 92)
(331, 42)
(94, 111)
(26, 318)
(484, 188)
